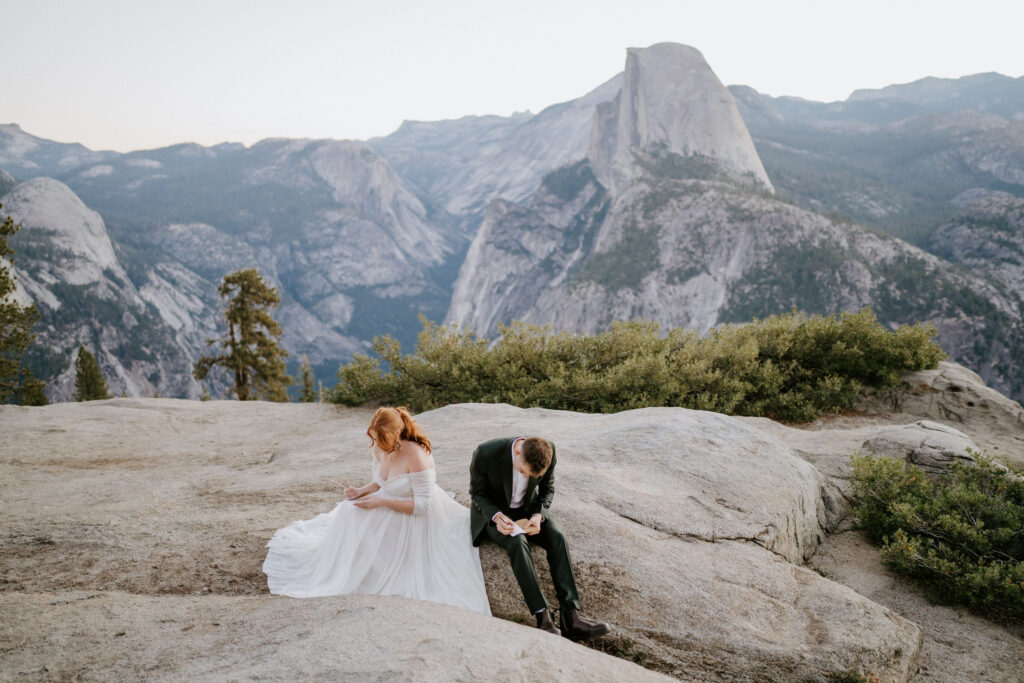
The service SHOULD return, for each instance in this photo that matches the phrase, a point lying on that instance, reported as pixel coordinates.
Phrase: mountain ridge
(361, 237)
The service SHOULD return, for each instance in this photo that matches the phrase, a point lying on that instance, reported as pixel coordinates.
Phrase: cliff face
(895, 158)
(145, 336)
(465, 163)
(653, 226)
(986, 236)
(354, 251)
(672, 102)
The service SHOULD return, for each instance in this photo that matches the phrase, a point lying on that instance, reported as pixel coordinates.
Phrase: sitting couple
(403, 535)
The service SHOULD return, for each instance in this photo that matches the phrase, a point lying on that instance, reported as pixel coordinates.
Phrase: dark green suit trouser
(552, 541)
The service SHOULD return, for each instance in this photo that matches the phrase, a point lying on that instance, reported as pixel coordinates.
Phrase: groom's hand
(504, 524)
(535, 523)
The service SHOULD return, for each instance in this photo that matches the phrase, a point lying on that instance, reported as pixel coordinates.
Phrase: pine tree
(89, 382)
(252, 353)
(17, 383)
(308, 394)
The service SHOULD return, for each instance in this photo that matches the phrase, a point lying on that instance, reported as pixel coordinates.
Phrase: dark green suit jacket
(490, 486)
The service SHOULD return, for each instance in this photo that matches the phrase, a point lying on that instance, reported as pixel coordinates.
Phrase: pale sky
(138, 74)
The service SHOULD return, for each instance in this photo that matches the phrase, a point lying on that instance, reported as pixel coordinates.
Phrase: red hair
(388, 425)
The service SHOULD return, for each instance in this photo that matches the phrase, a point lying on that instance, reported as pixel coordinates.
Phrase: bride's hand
(369, 503)
(351, 492)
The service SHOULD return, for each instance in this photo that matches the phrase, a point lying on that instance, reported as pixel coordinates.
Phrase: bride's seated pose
(400, 534)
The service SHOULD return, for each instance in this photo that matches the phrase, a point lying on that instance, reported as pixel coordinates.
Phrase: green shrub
(790, 367)
(960, 535)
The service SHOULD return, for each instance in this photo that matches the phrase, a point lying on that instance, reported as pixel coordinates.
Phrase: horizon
(249, 145)
(121, 76)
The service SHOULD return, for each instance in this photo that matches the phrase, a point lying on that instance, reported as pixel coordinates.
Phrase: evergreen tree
(251, 351)
(17, 383)
(89, 382)
(308, 394)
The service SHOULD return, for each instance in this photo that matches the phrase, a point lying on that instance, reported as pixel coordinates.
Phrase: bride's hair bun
(388, 425)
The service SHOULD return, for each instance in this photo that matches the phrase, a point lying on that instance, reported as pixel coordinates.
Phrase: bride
(398, 535)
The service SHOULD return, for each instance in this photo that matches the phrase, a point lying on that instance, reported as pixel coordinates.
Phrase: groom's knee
(517, 544)
(553, 535)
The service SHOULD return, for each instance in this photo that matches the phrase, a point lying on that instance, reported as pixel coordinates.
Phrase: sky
(139, 74)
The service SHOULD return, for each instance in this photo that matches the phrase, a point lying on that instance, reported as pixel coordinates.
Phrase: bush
(960, 536)
(790, 367)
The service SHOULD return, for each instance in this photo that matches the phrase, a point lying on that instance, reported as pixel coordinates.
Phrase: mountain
(988, 92)
(145, 335)
(7, 182)
(27, 156)
(659, 193)
(465, 163)
(987, 236)
(353, 249)
(895, 158)
(653, 225)
(671, 102)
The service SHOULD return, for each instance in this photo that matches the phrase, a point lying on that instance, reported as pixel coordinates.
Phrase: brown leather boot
(544, 622)
(576, 627)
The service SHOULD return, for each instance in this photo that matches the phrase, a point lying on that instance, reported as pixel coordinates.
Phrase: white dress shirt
(518, 480)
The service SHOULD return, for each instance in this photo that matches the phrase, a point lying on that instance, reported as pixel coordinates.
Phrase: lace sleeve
(376, 473)
(422, 490)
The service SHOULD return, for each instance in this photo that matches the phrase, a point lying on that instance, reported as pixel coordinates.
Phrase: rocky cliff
(145, 335)
(28, 156)
(466, 163)
(672, 102)
(353, 250)
(986, 236)
(693, 241)
(895, 158)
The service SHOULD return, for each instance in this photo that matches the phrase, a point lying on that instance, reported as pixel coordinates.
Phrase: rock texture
(688, 529)
(987, 236)
(896, 158)
(955, 395)
(145, 334)
(118, 636)
(46, 205)
(956, 645)
(354, 251)
(466, 163)
(929, 445)
(671, 101)
(696, 253)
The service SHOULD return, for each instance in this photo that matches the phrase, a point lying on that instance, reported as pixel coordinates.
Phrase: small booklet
(522, 526)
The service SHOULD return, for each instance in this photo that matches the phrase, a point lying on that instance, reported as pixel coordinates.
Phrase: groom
(512, 479)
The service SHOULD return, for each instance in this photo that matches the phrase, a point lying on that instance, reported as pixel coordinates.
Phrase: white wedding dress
(428, 555)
